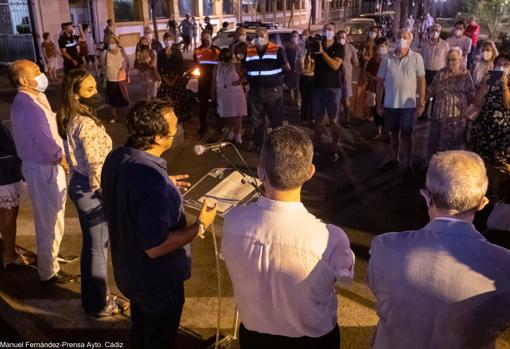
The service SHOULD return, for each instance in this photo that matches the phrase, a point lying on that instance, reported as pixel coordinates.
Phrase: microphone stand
(224, 157)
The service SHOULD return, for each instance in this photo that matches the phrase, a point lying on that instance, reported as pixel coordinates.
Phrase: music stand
(229, 188)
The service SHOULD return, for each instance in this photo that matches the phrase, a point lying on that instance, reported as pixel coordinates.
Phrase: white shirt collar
(269, 204)
(450, 219)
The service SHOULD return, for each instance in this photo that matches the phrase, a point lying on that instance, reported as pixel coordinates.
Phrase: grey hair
(452, 49)
(457, 181)
(286, 157)
(437, 25)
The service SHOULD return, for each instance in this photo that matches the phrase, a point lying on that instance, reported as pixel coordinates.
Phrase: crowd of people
(451, 281)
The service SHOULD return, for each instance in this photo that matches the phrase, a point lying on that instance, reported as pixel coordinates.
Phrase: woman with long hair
(116, 73)
(485, 62)
(87, 145)
(145, 63)
(173, 82)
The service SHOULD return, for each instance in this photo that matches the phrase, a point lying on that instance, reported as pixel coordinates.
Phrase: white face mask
(242, 38)
(505, 70)
(261, 41)
(88, 30)
(169, 43)
(372, 35)
(382, 50)
(328, 34)
(402, 43)
(42, 82)
(343, 41)
(434, 35)
(294, 40)
(487, 55)
(112, 46)
(458, 32)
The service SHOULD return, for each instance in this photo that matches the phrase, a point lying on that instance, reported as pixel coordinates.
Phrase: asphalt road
(353, 193)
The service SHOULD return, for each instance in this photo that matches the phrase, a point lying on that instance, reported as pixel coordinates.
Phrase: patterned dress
(448, 127)
(86, 148)
(490, 134)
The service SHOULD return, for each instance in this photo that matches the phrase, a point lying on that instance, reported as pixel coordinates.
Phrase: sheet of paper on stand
(230, 191)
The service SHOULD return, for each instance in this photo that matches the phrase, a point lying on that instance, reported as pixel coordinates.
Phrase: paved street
(352, 193)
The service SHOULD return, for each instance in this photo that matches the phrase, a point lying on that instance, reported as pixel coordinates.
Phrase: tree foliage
(488, 12)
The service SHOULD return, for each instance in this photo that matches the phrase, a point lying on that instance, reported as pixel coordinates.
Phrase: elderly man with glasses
(442, 286)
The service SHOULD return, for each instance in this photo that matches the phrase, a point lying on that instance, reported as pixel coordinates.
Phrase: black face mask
(205, 42)
(144, 47)
(94, 101)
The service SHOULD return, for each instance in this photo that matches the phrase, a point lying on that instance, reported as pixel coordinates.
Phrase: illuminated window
(125, 10)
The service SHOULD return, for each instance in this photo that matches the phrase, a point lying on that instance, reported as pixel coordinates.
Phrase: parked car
(384, 20)
(280, 36)
(357, 30)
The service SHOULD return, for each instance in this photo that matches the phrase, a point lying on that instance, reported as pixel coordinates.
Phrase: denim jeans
(155, 321)
(94, 251)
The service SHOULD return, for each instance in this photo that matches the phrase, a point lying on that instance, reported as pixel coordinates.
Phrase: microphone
(199, 149)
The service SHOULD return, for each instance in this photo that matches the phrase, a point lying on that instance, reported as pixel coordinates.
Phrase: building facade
(24, 21)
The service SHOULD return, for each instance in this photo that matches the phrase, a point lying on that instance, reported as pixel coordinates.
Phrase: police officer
(205, 57)
(265, 63)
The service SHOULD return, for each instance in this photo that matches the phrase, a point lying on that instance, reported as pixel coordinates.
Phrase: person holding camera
(327, 86)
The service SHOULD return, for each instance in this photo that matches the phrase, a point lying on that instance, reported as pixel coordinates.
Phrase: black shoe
(59, 278)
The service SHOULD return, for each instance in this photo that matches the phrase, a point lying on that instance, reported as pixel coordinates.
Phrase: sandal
(20, 260)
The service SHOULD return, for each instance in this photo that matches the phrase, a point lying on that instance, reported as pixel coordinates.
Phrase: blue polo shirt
(142, 208)
(400, 79)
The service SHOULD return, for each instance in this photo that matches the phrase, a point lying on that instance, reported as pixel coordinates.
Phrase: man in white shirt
(442, 286)
(434, 52)
(458, 39)
(402, 75)
(282, 260)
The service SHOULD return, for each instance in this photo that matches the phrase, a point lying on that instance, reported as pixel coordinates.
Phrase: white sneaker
(239, 139)
(230, 136)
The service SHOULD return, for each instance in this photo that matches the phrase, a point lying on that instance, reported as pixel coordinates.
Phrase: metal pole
(30, 4)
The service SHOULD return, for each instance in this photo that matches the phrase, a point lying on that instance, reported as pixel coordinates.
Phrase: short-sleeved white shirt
(400, 79)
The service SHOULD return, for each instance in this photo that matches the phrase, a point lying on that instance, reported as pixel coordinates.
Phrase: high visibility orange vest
(207, 56)
(263, 66)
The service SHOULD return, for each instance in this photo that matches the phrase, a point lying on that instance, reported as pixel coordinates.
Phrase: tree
(152, 4)
(488, 12)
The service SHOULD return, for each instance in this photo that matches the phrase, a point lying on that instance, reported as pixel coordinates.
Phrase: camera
(313, 43)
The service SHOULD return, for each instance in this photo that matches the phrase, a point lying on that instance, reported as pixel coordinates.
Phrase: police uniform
(206, 59)
(264, 71)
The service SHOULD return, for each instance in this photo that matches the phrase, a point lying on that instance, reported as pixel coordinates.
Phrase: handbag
(472, 112)
(370, 99)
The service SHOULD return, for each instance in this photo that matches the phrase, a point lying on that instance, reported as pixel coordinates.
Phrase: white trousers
(48, 191)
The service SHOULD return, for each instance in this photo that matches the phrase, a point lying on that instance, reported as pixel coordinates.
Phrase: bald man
(34, 129)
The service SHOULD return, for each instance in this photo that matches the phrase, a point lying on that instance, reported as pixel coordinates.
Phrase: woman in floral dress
(490, 134)
(453, 91)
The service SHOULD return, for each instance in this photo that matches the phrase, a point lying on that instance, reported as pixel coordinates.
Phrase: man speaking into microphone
(147, 225)
(282, 260)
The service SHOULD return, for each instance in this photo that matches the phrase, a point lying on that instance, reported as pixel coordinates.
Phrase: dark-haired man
(282, 260)
(147, 225)
(69, 47)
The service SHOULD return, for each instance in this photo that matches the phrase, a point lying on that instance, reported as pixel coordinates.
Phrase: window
(227, 7)
(208, 7)
(185, 6)
(125, 10)
(160, 9)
